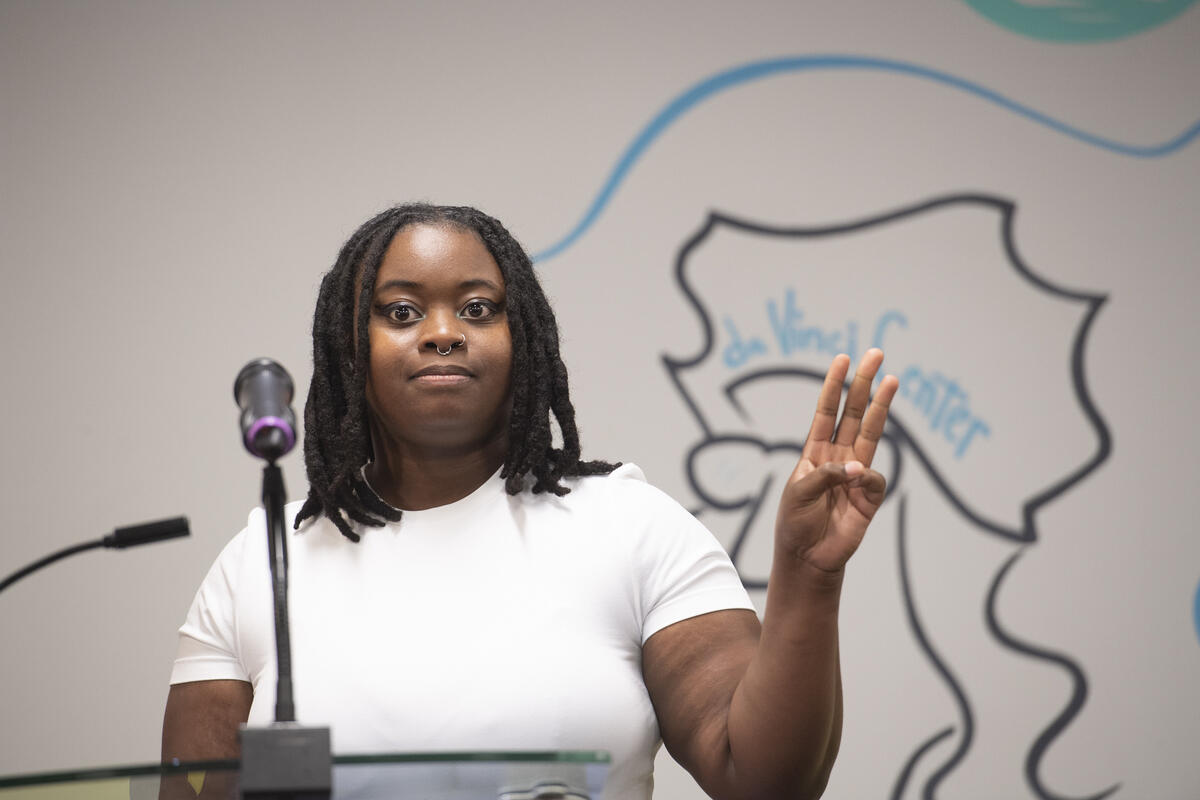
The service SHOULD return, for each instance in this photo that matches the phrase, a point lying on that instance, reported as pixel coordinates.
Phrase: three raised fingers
(863, 417)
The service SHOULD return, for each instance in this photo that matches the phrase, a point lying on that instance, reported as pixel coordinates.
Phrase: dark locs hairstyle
(337, 440)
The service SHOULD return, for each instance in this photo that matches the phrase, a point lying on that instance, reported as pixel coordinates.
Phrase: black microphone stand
(284, 759)
(273, 495)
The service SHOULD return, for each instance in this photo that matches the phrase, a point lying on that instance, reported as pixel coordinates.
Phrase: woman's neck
(412, 478)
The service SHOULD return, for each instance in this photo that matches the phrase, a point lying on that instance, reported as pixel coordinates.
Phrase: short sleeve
(208, 638)
(684, 570)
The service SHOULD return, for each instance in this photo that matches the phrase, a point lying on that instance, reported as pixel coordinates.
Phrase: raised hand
(833, 493)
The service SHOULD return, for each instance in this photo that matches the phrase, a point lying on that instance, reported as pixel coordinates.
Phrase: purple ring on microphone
(269, 422)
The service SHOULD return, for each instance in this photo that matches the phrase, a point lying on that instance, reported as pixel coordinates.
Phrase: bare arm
(756, 712)
(751, 711)
(202, 718)
(201, 724)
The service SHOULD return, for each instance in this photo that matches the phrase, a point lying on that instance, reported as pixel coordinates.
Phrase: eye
(479, 310)
(402, 313)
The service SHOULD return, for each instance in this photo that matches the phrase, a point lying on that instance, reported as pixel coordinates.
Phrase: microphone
(147, 532)
(120, 538)
(263, 390)
(282, 760)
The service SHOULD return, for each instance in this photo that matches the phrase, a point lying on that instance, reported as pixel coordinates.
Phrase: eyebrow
(474, 283)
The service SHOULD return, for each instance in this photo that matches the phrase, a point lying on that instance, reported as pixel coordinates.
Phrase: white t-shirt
(497, 622)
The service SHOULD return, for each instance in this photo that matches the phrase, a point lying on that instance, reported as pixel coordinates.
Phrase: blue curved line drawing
(758, 70)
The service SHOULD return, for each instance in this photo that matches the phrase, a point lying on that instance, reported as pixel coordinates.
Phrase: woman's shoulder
(624, 474)
(626, 479)
(256, 527)
(625, 490)
(256, 520)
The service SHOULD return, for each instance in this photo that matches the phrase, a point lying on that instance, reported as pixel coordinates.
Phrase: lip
(442, 373)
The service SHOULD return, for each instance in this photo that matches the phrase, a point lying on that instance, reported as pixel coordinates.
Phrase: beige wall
(176, 177)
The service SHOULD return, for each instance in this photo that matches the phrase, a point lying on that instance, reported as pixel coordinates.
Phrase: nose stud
(453, 345)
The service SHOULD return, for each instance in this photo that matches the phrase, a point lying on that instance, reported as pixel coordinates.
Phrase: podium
(513, 775)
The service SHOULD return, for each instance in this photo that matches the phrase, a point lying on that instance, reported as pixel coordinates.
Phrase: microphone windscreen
(147, 532)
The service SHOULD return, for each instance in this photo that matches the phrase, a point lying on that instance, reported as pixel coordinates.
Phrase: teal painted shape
(1079, 20)
(1196, 611)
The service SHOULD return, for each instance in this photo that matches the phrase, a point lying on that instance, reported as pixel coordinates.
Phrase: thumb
(805, 489)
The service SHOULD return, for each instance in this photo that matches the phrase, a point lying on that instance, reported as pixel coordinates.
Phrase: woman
(460, 582)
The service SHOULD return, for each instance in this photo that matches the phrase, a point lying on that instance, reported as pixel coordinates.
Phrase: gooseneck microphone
(128, 536)
(263, 390)
(284, 759)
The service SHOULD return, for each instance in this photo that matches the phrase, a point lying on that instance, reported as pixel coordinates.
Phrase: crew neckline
(493, 485)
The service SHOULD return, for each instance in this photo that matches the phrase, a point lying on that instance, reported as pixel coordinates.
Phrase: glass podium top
(500, 775)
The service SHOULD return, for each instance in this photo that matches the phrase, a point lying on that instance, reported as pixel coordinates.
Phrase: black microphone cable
(120, 538)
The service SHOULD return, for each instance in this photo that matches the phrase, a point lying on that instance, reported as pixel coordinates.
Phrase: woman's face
(438, 289)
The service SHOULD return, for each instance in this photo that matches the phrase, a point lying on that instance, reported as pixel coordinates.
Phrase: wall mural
(1079, 20)
(738, 381)
(990, 358)
(706, 89)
